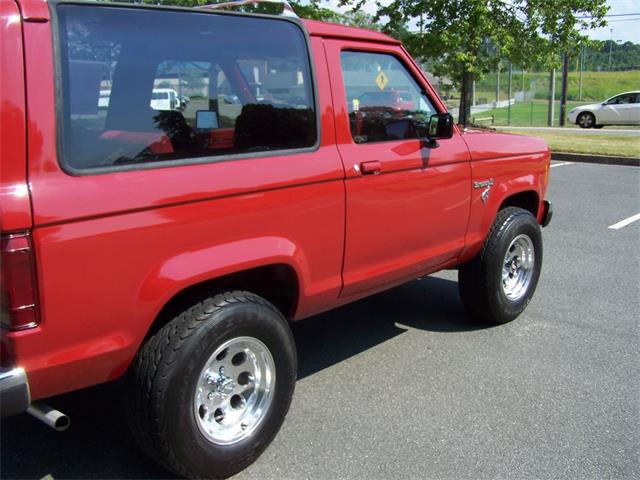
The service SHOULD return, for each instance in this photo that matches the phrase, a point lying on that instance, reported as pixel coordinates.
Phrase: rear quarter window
(210, 87)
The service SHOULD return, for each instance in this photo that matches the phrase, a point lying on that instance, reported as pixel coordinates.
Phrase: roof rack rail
(287, 10)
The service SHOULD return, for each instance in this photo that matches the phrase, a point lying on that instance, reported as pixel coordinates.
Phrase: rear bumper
(547, 213)
(14, 391)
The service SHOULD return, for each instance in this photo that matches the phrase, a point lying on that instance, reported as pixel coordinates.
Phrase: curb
(602, 159)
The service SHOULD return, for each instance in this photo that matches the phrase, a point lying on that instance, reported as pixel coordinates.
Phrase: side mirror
(440, 126)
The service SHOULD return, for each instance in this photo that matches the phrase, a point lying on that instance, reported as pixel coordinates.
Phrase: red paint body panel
(161, 230)
(15, 208)
(112, 249)
(34, 10)
(515, 163)
(332, 30)
(409, 219)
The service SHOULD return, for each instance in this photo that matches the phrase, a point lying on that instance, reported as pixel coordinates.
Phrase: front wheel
(210, 390)
(498, 284)
(586, 120)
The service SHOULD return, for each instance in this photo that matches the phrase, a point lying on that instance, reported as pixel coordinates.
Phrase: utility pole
(552, 94)
(509, 95)
(563, 96)
(580, 75)
(610, 45)
(498, 84)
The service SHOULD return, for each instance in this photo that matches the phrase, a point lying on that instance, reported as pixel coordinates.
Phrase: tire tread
(152, 366)
(474, 278)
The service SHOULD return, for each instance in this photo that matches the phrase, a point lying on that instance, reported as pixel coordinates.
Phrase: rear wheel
(210, 390)
(586, 120)
(498, 284)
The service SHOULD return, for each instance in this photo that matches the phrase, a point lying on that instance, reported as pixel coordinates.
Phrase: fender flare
(214, 261)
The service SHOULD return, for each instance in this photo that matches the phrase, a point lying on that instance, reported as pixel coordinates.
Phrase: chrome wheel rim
(517, 268)
(234, 390)
(585, 120)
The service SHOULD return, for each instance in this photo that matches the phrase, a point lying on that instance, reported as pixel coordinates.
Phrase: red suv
(171, 243)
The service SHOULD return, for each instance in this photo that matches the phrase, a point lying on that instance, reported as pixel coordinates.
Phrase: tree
(313, 11)
(310, 9)
(468, 38)
(625, 56)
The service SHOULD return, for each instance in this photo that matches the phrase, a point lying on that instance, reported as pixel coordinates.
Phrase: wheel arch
(528, 200)
(522, 194)
(271, 267)
(277, 283)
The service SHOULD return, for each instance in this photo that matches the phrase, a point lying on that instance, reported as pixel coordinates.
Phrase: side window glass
(203, 88)
(181, 87)
(229, 104)
(620, 99)
(628, 98)
(384, 102)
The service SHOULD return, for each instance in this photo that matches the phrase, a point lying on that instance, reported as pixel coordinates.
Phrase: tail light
(18, 282)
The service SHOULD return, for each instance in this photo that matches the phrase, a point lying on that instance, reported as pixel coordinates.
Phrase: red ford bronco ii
(304, 166)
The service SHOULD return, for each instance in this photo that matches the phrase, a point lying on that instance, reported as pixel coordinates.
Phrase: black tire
(480, 281)
(586, 120)
(164, 376)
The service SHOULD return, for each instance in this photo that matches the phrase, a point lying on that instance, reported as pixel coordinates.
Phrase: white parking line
(561, 164)
(625, 222)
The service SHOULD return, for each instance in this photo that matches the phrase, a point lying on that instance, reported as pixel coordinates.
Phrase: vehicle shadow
(99, 445)
(430, 304)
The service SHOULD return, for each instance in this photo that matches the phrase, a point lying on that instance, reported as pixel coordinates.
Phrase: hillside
(596, 86)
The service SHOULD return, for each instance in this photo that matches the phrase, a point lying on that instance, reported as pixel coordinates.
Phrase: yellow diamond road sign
(382, 80)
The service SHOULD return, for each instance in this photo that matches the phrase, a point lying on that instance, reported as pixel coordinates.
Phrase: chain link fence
(514, 96)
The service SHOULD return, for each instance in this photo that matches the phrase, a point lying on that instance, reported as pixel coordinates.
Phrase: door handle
(370, 168)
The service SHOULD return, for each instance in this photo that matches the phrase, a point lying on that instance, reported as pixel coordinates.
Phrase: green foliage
(474, 35)
(313, 11)
(624, 56)
(266, 7)
(310, 10)
(596, 86)
(526, 114)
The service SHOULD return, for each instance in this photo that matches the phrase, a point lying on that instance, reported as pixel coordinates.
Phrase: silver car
(621, 109)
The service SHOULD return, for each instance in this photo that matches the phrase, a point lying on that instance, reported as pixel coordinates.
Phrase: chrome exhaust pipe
(49, 416)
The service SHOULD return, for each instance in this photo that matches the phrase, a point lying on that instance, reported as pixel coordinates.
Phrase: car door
(629, 108)
(407, 202)
(633, 111)
(615, 111)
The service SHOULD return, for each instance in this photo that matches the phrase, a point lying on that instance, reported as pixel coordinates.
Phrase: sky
(625, 29)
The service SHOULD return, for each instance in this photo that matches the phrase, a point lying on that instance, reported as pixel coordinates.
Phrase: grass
(575, 142)
(526, 114)
(596, 86)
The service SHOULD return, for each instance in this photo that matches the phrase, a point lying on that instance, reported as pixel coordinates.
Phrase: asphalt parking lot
(405, 385)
